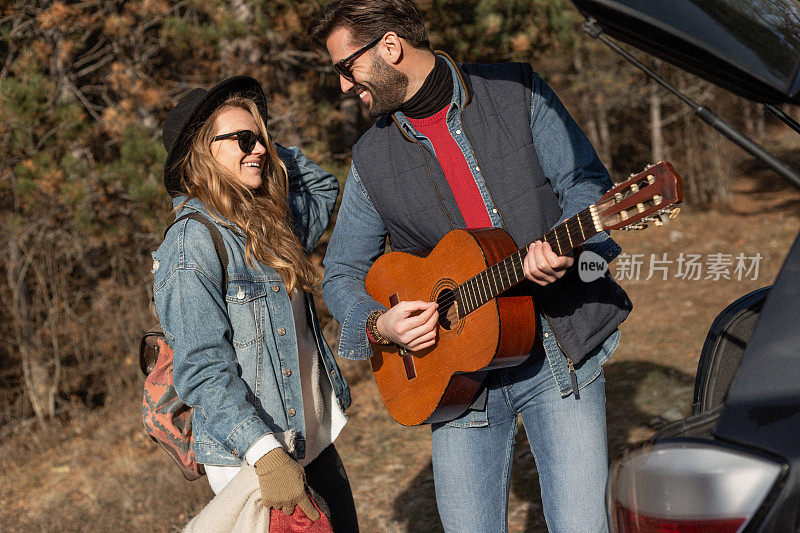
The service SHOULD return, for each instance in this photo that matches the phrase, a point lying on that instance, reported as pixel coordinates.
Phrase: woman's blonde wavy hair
(262, 214)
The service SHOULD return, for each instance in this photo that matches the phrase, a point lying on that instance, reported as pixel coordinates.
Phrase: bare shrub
(73, 311)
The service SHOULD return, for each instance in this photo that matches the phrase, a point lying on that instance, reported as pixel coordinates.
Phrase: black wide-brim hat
(185, 120)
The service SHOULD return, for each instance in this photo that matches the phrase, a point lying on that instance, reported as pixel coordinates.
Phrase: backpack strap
(216, 237)
(148, 344)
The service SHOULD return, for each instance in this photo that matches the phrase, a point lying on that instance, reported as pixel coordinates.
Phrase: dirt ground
(101, 472)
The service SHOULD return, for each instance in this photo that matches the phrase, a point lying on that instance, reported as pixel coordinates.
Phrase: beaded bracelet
(372, 328)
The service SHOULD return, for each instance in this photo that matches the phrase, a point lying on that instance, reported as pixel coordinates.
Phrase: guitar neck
(497, 279)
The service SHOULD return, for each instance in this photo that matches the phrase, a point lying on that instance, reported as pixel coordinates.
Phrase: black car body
(734, 464)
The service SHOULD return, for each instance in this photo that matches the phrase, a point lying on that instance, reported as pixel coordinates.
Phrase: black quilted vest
(408, 188)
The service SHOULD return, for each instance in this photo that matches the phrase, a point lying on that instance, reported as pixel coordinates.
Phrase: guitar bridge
(408, 359)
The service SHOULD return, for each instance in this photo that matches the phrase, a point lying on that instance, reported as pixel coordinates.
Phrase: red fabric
(298, 522)
(455, 168)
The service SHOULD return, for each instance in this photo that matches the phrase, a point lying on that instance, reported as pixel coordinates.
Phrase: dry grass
(99, 472)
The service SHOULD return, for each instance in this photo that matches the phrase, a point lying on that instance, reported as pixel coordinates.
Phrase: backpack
(167, 420)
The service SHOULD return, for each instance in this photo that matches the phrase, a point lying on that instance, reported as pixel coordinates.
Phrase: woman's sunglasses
(342, 67)
(247, 139)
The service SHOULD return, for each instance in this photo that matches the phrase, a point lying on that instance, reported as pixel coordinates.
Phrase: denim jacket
(570, 164)
(236, 360)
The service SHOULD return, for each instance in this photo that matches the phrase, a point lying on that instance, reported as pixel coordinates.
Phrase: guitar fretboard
(500, 277)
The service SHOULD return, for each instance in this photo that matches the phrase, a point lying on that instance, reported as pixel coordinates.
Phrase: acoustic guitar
(483, 322)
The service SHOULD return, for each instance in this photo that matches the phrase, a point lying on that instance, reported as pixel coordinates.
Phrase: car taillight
(687, 487)
(628, 521)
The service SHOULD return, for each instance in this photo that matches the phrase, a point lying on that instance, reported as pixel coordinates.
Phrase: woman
(249, 354)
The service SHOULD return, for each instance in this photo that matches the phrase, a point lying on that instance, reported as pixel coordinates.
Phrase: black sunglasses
(247, 139)
(343, 69)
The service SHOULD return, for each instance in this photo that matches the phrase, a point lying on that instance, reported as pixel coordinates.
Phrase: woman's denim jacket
(236, 359)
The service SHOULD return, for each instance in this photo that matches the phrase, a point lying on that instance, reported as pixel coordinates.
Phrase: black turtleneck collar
(435, 94)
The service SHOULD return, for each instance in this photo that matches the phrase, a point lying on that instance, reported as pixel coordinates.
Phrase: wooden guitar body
(440, 383)
(485, 319)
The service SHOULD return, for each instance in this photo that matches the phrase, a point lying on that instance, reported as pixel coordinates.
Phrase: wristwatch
(372, 328)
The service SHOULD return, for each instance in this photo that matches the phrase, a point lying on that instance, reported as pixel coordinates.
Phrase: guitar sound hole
(448, 309)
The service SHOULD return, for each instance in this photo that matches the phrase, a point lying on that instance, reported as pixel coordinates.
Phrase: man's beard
(387, 86)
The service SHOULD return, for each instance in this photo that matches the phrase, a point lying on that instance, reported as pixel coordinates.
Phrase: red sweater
(455, 168)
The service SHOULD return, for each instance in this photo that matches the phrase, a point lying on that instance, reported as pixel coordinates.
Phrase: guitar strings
(486, 283)
(572, 227)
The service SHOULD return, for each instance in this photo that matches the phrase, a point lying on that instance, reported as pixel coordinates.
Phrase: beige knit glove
(282, 482)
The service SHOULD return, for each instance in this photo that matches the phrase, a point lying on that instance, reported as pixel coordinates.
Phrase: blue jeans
(472, 465)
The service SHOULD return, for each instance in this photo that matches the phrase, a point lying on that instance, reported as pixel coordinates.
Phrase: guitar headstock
(645, 197)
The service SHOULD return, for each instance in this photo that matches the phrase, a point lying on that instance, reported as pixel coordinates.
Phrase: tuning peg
(658, 218)
(674, 212)
(634, 227)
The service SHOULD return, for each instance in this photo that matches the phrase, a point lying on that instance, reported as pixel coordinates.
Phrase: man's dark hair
(370, 19)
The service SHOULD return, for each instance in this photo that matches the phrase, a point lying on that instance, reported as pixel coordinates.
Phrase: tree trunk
(747, 116)
(754, 120)
(605, 134)
(760, 123)
(34, 311)
(656, 127)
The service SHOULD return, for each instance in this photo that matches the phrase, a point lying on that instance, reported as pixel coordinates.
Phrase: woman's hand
(283, 484)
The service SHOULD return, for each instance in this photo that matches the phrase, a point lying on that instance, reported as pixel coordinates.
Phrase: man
(475, 146)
